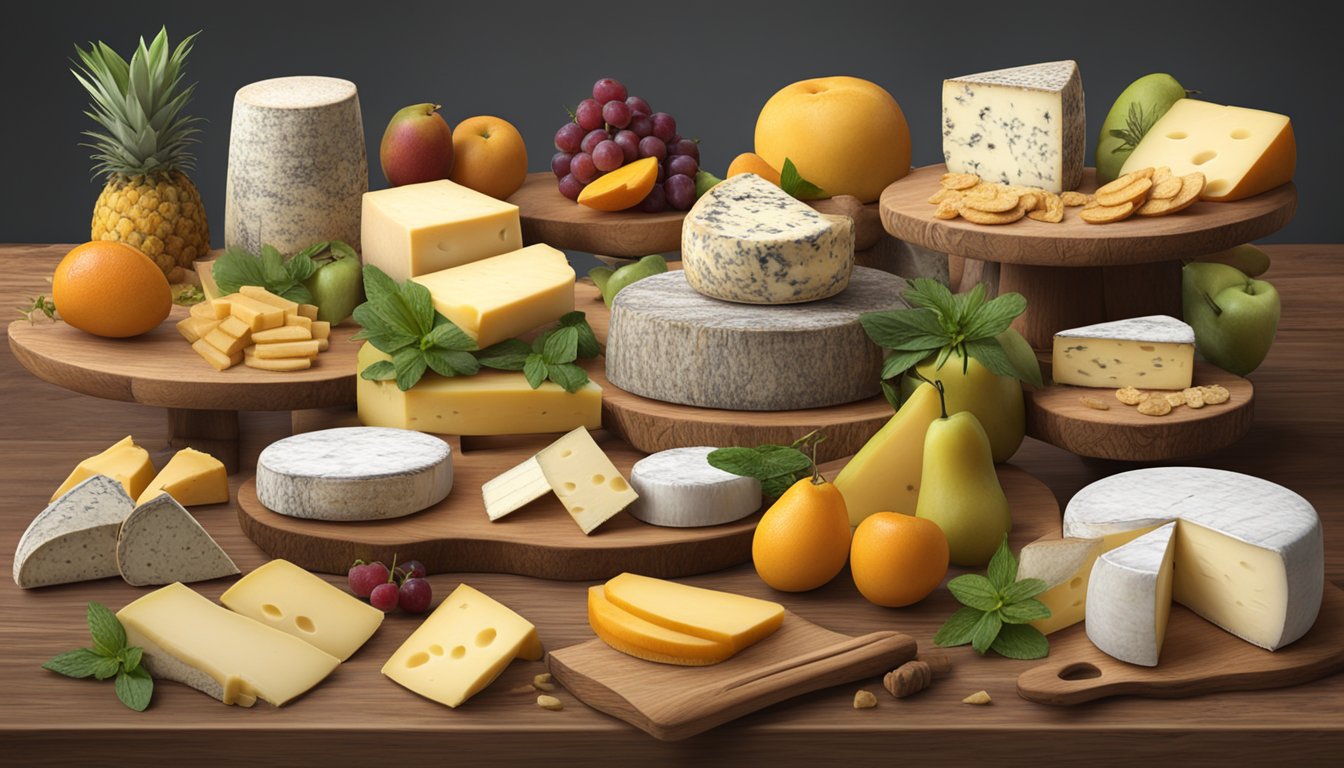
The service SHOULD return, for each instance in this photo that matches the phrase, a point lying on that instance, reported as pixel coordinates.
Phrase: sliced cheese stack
(1154, 352)
(160, 543)
(257, 328)
(679, 488)
(417, 229)
(75, 537)
(746, 240)
(191, 477)
(574, 467)
(283, 596)
(123, 461)
(1023, 125)
(1129, 598)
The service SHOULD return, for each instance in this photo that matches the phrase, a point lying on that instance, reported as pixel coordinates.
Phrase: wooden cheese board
(1074, 273)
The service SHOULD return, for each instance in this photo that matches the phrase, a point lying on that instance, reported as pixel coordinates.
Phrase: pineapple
(148, 201)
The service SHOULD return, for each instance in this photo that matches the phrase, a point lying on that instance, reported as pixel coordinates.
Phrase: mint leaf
(301, 267)
(109, 637)
(976, 591)
(135, 688)
(959, 628)
(1024, 611)
(420, 304)
(381, 329)
(1002, 567)
(898, 363)
(534, 369)
(106, 668)
(383, 370)
(1022, 590)
(986, 629)
(273, 266)
(568, 375)
(905, 329)
(588, 346)
(410, 365)
(762, 462)
(995, 316)
(561, 345)
(1021, 641)
(236, 268)
(507, 355)
(926, 293)
(78, 663)
(447, 336)
(969, 303)
(451, 363)
(131, 659)
(796, 186)
(377, 285)
(989, 353)
(892, 394)
(774, 487)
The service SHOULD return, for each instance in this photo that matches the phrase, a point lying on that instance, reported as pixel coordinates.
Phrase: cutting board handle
(1071, 681)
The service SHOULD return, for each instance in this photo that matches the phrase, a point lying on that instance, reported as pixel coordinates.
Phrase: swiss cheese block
(1248, 555)
(284, 596)
(489, 403)
(1129, 598)
(124, 461)
(667, 342)
(354, 473)
(504, 296)
(1023, 125)
(462, 647)
(75, 537)
(160, 543)
(746, 240)
(1065, 565)
(188, 639)
(416, 229)
(1241, 152)
(1154, 352)
(589, 486)
(679, 488)
(643, 639)
(734, 620)
(191, 477)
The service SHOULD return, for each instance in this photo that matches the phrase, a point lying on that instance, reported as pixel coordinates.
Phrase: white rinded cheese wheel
(679, 489)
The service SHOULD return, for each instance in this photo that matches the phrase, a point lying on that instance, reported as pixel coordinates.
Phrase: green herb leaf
(898, 363)
(774, 487)
(106, 668)
(995, 316)
(446, 336)
(926, 293)
(986, 629)
(507, 355)
(313, 250)
(131, 659)
(588, 346)
(410, 365)
(976, 591)
(969, 304)
(451, 363)
(989, 353)
(135, 688)
(905, 330)
(959, 628)
(1020, 591)
(235, 268)
(1002, 567)
(1024, 611)
(1021, 641)
(381, 329)
(343, 250)
(892, 394)
(80, 662)
(377, 285)
(109, 637)
(762, 462)
(301, 267)
(421, 305)
(568, 375)
(534, 369)
(795, 185)
(561, 345)
(383, 370)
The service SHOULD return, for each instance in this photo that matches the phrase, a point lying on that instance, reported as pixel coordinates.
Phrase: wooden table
(363, 718)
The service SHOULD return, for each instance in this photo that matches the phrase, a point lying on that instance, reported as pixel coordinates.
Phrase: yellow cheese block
(223, 654)
(298, 321)
(191, 477)
(462, 647)
(229, 345)
(733, 620)
(590, 487)
(283, 333)
(286, 349)
(124, 461)
(257, 314)
(1065, 564)
(234, 327)
(884, 475)
(642, 639)
(1241, 152)
(266, 297)
(489, 403)
(222, 307)
(193, 328)
(214, 357)
(308, 310)
(321, 329)
(207, 310)
(284, 596)
(503, 296)
(283, 364)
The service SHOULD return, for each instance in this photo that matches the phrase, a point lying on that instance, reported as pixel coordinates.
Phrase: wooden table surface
(48, 719)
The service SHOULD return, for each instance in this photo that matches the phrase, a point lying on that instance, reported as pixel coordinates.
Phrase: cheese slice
(284, 596)
(416, 229)
(1129, 598)
(266, 297)
(1154, 352)
(191, 477)
(589, 486)
(462, 647)
(286, 332)
(733, 620)
(287, 349)
(75, 537)
(504, 296)
(160, 543)
(1065, 565)
(188, 639)
(679, 488)
(1241, 152)
(884, 475)
(514, 489)
(1024, 125)
(642, 639)
(124, 461)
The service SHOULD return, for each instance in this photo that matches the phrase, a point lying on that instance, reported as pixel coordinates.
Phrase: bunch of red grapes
(612, 129)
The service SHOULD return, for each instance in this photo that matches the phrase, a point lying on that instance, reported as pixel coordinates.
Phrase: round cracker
(991, 217)
(1132, 193)
(1002, 203)
(1156, 406)
(1105, 214)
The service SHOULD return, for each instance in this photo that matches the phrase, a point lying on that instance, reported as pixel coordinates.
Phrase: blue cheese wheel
(678, 488)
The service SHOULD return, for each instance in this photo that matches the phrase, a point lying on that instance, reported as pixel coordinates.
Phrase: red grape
(571, 187)
(588, 115)
(582, 168)
(682, 164)
(655, 201)
(568, 137)
(629, 144)
(560, 164)
(592, 139)
(415, 595)
(616, 113)
(664, 126)
(607, 90)
(651, 146)
(642, 125)
(686, 147)
(384, 597)
(608, 156)
(362, 578)
(638, 106)
(411, 569)
(662, 173)
(680, 192)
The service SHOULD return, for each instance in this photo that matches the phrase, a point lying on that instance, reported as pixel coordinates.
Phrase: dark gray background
(711, 64)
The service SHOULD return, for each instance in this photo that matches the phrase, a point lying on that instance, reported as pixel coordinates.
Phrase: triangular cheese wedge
(1129, 598)
(75, 537)
(191, 477)
(124, 461)
(160, 543)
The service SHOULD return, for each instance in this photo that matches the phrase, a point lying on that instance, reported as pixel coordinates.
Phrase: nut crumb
(549, 702)
(979, 697)
(543, 682)
(864, 699)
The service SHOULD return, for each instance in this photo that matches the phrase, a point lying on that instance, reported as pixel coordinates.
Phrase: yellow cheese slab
(283, 333)
(421, 228)
(257, 314)
(642, 639)
(223, 654)
(286, 349)
(884, 475)
(191, 477)
(298, 321)
(234, 327)
(284, 596)
(222, 306)
(489, 403)
(229, 345)
(266, 297)
(124, 461)
(1067, 595)
(733, 620)
(462, 647)
(308, 310)
(589, 486)
(214, 357)
(504, 296)
(193, 328)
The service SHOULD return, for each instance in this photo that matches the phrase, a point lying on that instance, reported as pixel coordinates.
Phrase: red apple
(417, 146)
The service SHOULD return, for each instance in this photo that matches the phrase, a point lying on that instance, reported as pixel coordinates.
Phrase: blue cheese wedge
(160, 543)
(1154, 352)
(747, 241)
(75, 537)
(1023, 125)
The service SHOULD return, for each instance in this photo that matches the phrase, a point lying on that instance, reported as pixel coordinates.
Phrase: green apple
(1234, 317)
(337, 288)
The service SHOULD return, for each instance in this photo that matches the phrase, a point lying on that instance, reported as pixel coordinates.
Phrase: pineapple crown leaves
(138, 104)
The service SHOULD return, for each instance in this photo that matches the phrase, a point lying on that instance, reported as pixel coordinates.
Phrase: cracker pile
(1162, 403)
(1145, 192)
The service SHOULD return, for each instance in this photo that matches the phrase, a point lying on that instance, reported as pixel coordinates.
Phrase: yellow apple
(489, 156)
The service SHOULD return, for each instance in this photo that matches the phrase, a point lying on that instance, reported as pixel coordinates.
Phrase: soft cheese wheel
(354, 473)
(75, 537)
(1129, 598)
(667, 342)
(679, 489)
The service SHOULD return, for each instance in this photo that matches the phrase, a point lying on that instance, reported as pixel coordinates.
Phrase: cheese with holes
(589, 486)
(1065, 565)
(643, 639)
(1129, 598)
(735, 620)
(746, 240)
(1154, 352)
(1241, 152)
(504, 296)
(1023, 125)
(124, 461)
(192, 477)
(284, 596)
(678, 488)
(421, 228)
(75, 537)
(188, 639)
(1248, 554)
(354, 473)
(160, 543)
(462, 647)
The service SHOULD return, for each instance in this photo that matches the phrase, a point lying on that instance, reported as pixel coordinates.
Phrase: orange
(802, 540)
(489, 156)
(622, 188)
(897, 559)
(110, 289)
(750, 162)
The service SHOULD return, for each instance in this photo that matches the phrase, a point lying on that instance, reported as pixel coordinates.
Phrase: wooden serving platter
(1056, 414)
(672, 702)
(1197, 658)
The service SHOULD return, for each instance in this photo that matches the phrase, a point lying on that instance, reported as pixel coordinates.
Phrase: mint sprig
(996, 612)
(270, 270)
(777, 466)
(110, 657)
(793, 183)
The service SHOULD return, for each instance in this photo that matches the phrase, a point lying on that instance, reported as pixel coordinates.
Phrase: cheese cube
(421, 228)
(234, 327)
(1154, 352)
(584, 479)
(124, 461)
(503, 296)
(225, 343)
(266, 297)
(191, 477)
(321, 329)
(283, 333)
(734, 620)
(285, 364)
(257, 314)
(308, 310)
(286, 349)
(223, 306)
(214, 357)
(298, 321)
(284, 596)
(1241, 152)
(462, 647)
(642, 639)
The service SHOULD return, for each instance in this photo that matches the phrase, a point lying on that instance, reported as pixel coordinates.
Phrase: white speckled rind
(354, 473)
(75, 537)
(1123, 596)
(1155, 328)
(161, 542)
(297, 169)
(667, 342)
(678, 488)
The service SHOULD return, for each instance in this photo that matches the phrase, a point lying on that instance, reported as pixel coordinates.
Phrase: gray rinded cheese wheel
(354, 473)
(297, 168)
(667, 342)
(75, 537)
(679, 489)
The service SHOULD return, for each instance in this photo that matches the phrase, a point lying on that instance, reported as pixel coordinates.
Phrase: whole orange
(897, 559)
(110, 289)
(489, 156)
(802, 540)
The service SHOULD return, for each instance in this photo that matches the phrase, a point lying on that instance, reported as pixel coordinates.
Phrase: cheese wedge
(75, 537)
(642, 639)
(589, 486)
(1154, 352)
(732, 620)
(1129, 598)
(191, 477)
(1065, 564)
(160, 543)
(125, 462)
(284, 596)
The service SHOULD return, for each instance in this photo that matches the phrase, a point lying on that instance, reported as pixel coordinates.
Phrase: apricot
(622, 188)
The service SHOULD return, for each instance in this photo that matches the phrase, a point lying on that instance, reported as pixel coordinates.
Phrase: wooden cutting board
(1197, 658)
(671, 702)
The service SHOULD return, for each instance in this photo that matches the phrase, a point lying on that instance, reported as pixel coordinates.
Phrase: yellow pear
(996, 401)
(884, 475)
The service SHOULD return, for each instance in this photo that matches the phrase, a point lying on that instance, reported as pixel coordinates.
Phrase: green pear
(1133, 113)
(1235, 317)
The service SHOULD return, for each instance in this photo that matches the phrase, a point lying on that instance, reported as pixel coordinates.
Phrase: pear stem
(942, 395)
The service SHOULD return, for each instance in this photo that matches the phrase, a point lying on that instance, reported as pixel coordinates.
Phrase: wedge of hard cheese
(75, 537)
(284, 596)
(589, 486)
(191, 477)
(160, 543)
(124, 461)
